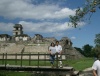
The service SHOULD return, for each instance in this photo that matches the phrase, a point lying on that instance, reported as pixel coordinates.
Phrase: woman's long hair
(52, 44)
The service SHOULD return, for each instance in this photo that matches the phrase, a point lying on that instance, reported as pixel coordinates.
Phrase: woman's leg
(52, 58)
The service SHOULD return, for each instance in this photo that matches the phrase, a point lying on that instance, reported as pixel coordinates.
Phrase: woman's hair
(52, 43)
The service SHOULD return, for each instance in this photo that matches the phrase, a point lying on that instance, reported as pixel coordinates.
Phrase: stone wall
(11, 48)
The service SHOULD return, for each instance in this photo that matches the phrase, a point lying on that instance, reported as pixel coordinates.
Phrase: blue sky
(49, 18)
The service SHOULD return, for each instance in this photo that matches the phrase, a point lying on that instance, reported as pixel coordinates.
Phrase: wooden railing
(4, 58)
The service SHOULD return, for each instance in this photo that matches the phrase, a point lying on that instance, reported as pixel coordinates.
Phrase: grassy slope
(80, 64)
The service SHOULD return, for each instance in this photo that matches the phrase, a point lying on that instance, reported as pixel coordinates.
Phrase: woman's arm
(49, 51)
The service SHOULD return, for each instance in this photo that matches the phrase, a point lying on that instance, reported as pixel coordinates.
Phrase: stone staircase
(36, 48)
(11, 48)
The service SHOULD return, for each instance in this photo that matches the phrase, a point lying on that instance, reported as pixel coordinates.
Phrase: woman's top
(52, 49)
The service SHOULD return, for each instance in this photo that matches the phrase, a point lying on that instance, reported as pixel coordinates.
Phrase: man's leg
(60, 62)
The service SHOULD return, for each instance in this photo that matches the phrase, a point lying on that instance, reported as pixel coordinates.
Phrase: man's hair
(57, 41)
(98, 56)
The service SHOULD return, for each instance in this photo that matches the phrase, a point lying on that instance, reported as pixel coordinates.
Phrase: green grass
(80, 64)
(26, 63)
(9, 73)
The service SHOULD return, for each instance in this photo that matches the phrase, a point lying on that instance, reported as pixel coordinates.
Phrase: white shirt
(58, 48)
(96, 66)
(52, 49)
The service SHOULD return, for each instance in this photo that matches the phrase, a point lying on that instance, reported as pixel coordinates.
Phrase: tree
(96, 49)
(79, 49)
(87, 50)
(90, 7)
(97, 40)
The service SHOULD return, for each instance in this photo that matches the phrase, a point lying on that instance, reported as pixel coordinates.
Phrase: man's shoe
(60, 66)
(52, 66)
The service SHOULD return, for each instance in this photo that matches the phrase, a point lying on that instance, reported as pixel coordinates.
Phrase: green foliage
(80, 50)
(90, 51)
(89, 7)
(96, 49)
(97, 40)
(87, 50)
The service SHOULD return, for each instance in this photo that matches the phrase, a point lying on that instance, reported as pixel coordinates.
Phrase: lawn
(9, 73)
(79, 64)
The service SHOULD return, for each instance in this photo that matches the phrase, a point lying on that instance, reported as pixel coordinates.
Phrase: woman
(52, 51)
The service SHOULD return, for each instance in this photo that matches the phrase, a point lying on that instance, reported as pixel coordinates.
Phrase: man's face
(57, 43)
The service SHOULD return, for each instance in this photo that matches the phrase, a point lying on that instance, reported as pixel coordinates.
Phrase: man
(59, 52)
(96, 66)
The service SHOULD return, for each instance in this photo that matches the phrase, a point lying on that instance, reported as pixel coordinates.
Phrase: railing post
(6, 60)
(29, 59)
(45, 59)
(57, 60)
(38, 59)
(2, 58)
(16, 59)
(21, 58)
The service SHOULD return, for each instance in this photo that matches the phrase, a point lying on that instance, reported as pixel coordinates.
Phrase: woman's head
(52, 44)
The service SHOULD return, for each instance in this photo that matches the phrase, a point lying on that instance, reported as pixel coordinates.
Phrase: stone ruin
(40, 44)
(36, 44)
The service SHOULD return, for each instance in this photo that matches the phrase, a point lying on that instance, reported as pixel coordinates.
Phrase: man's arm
(94, 72)
(61, 49)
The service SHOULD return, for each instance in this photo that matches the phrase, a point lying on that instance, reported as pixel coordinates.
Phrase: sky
(49, 18)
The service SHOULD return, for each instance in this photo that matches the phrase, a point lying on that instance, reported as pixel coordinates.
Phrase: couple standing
(53, 50)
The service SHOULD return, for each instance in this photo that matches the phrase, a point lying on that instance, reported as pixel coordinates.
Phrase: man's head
(98, 56)
(57, 42)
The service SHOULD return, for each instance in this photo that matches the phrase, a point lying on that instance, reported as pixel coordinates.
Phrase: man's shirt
(58, 48)
(96, 66)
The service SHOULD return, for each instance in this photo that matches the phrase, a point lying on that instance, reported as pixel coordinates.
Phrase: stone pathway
(88, 69)
(87, 72)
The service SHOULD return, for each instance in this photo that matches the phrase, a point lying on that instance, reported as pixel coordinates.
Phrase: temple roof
(22, 35)
(4, 35)
(18, 25)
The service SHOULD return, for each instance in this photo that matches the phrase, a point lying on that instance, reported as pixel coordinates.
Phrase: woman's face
(52, 44)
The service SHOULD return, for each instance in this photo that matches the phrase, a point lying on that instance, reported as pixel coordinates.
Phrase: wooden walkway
(33, 68)
(5, 58)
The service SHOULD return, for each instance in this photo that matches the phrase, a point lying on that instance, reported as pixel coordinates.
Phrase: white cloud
(58, 34)
(73, 37)
(24, 9)
(45, 27)
(6, 26)
(81, 24)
